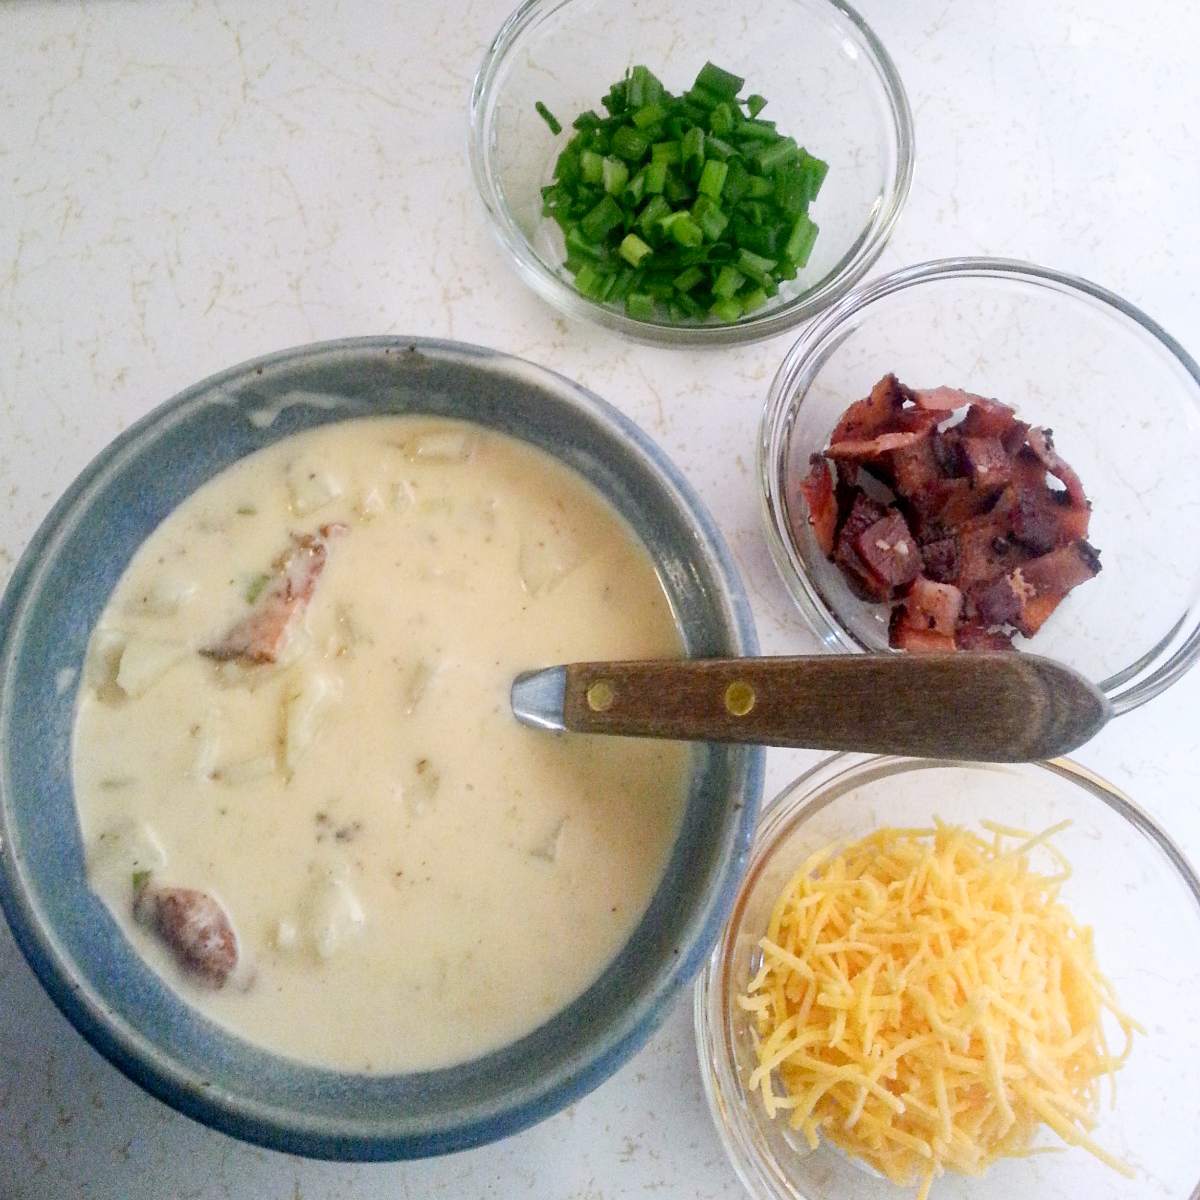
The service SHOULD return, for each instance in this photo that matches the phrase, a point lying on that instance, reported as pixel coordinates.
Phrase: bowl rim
(858, 260)
(806, 795)
(147, 1058)
(1127, 689)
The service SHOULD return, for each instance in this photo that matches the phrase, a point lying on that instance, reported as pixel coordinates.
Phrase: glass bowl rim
(757, 327)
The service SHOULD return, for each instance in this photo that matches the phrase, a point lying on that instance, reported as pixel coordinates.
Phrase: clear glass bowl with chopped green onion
(690, 172)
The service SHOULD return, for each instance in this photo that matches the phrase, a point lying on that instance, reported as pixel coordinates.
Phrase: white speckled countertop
(186, 185)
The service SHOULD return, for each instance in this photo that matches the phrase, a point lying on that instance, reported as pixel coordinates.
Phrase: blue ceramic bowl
(59, 589)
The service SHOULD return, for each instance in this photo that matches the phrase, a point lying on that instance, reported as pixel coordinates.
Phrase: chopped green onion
(630, 143)
(656, 177)
(614, 175)
(682, 229)
(715, 147)
(665, 153)
(752, 301)
(643, 88)
(726, 309)
(723, 83)
(602, 220)
(591, 166)
(578, 247)
(590, 280)
(653, 212)
(760, 187)
(753, 130)
(815, 170)
(800, 242)
(755, 266)
(548, 117)
(633, 250)
(708, 215)
(721, 121)
(649, 115)
(770, 157)
(702, 98)
(677, 189)
(689, 207)
(729, 280)
(712, 178)
(639, 306)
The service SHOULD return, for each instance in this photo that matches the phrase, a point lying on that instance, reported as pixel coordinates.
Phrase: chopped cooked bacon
(883, 422)
(889, 552)
(939, 509)
(261, 635)
(941, 559)
(1041, 442)
(1001, 601)
(864, 513)
(985, 462)
(911, 467)
(193, 926)
(985, 550)
(973, 636)
(1041, 523)
(1045, 517)
(990, 418)
(816, 488)
(944, 504)
(874, 413)
(945, 400)
(1064, 568)
(1028, 594)
(927, 618)
(1035, 611)
(871, 448)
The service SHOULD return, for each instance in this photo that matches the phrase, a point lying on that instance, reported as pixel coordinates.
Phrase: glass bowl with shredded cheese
(961, 981)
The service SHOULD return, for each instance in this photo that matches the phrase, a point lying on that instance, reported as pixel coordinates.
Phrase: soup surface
(294, 745)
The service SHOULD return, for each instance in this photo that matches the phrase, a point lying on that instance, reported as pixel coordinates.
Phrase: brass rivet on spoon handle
(739, 698)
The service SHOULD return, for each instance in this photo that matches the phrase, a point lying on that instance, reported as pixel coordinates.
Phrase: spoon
(989, 707)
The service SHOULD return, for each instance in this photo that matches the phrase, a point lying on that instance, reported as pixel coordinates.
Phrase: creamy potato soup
(301, 789)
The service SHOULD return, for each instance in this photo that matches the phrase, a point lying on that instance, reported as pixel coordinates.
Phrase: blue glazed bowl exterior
(59, 589)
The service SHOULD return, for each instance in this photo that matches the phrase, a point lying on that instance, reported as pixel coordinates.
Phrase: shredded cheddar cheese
(927, 1002)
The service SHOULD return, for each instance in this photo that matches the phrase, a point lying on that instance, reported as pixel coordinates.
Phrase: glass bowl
(1129, 883)
(61, 585)
(828, 82)
(1121, 396)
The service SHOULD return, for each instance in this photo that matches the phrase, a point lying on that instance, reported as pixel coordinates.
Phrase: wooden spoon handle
(998, 707)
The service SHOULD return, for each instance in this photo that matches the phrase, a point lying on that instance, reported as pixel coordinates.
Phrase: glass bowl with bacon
(980, 454)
